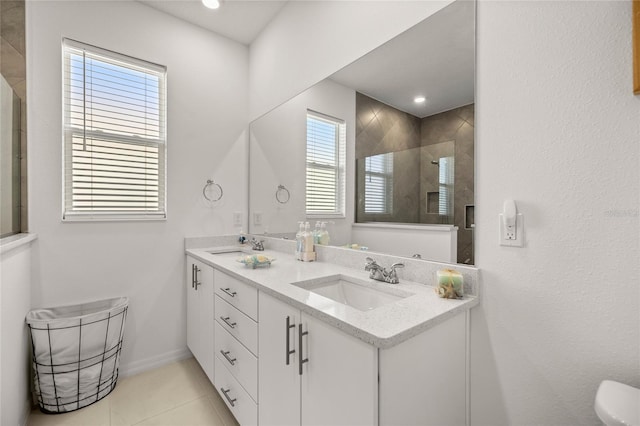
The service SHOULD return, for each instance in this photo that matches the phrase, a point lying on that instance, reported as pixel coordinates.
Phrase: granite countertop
(383, 327)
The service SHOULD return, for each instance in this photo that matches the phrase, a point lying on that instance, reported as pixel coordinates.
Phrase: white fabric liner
(76, 352)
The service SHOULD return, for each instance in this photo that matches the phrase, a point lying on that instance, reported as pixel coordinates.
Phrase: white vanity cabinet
(200, 311)
(236, 346)
(345, 381)
(311, 373)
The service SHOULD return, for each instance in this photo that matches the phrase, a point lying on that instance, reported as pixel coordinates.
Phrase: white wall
(278, 157)
(557, 130)
(15, 302)
(434, 243)
(310, 40)
(207, 117)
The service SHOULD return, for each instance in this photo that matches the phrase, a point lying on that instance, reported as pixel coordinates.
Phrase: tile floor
(178, 394)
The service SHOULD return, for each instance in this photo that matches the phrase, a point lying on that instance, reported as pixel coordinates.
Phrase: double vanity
(301, 343)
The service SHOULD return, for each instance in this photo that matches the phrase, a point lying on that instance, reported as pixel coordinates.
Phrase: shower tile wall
(456, 126)
(13, 69)
(381, 128)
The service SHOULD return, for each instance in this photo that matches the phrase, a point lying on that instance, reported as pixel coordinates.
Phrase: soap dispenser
(323, 235)
(299, 241)
(308, 253)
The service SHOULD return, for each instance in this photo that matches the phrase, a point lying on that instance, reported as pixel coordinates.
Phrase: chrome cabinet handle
(225, 393)
(230, 293)
(302, 361)
(196, 281)
(289, 326)
(193, 272)
(228, 358)
(226, 321)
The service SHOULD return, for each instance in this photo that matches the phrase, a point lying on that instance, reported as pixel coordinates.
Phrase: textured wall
(558, 130)
(207, 118)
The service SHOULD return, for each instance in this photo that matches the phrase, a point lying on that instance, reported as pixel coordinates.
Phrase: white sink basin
(226, 251)
(359, 294)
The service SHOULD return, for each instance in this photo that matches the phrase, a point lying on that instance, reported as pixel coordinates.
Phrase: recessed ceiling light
(211, 4)
(419, 99)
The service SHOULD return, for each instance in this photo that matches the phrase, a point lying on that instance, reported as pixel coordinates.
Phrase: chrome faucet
(257, 245)
(379, 273)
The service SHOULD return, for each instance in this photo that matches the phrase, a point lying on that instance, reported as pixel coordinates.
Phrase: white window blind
(325, 165)
(114, 135)
(378, 184)
(445, 179)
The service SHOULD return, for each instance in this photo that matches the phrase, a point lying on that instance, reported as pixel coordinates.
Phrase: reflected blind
(114, 135)
(378, 184)
(445, 179)
(325, 165)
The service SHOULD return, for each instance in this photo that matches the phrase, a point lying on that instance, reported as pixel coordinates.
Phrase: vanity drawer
(239, 294)
(237, 324)
(238, 360)
(244, 409)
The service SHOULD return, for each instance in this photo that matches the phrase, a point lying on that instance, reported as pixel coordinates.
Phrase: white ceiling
(435, 59)
(238, 20)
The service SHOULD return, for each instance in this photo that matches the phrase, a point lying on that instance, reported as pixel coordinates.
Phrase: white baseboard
(150, 363)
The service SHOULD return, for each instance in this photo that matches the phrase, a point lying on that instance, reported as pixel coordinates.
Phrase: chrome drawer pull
(300, 359)
(230, 293)
(289, 326)
(225, 392)
(197, 283)
(226, 321)
(226, 355)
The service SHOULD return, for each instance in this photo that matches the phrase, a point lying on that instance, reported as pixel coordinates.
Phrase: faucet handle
(392, 277)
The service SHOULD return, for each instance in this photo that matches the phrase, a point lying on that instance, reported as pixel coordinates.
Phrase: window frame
(340, 158)
(71, 215)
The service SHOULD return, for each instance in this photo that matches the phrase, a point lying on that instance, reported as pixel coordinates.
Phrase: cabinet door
(193, 309)
(278, 381)
(200, 314)
(206, 317)
(339, 383)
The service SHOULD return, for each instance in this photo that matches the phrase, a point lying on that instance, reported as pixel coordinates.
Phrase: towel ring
(210, 183)
(282, 194)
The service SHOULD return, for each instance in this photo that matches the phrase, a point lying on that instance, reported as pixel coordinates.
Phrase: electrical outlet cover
(504, 237)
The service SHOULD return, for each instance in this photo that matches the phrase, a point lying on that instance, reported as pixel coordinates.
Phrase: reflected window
(378, 184)
(114, 135)
(325, 182)
(445, 181)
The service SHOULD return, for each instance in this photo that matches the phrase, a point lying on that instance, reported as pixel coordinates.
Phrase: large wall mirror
(399, 177)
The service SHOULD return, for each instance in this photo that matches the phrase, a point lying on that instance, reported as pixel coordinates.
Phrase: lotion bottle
(307, 237)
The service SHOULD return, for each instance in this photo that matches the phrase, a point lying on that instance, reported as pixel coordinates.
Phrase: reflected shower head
(435, 162)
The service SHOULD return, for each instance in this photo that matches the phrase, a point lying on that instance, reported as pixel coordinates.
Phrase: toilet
(618, 404)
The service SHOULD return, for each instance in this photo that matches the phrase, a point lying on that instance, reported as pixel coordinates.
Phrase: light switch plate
(257, 218)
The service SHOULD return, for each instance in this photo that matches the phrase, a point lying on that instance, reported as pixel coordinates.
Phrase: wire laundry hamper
(76, 352)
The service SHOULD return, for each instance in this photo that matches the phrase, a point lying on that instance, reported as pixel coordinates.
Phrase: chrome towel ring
(282, 194)
(212, 191)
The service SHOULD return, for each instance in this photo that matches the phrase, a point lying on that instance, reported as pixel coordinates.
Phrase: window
(445, 181)
(378, 184)
(325, 165)
(114, 135)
